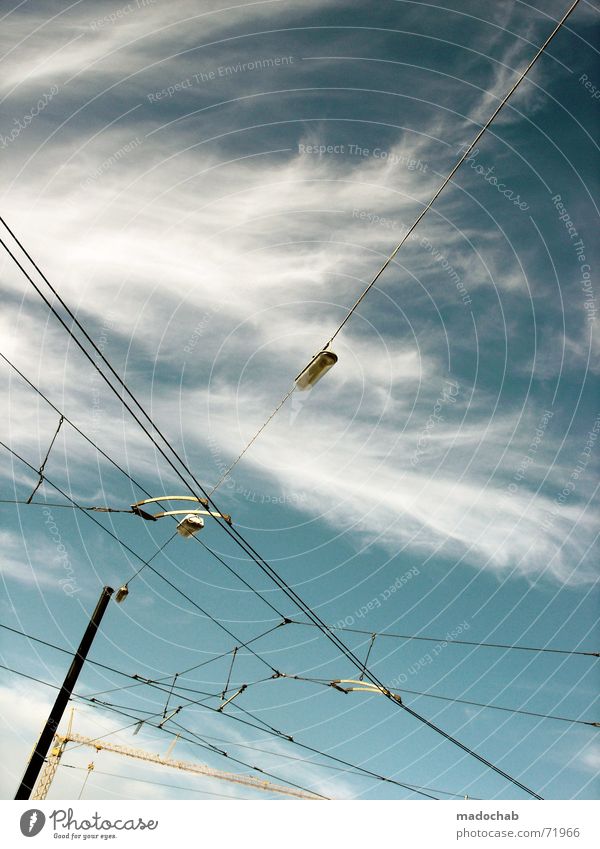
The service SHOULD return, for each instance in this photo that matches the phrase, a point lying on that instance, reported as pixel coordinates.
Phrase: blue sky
(210, 189)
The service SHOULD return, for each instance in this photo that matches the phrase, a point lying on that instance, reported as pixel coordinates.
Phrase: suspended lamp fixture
(314, 371)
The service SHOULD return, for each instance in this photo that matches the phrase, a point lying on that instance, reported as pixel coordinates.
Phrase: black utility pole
(41, 750)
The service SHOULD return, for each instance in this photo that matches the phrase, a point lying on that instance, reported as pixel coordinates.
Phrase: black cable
(233, 655)
(324, 682)
(281, 735)
(208, 747)
(172, 733)
(351, 768)
(374, 680)
(453, 642)
(447, 640)
(343, 770)
(135, 678)
(289, 592)
(369, 650)
(455, 168)
(507, 709)
(105, 666)
(154, 684)
(234, 534)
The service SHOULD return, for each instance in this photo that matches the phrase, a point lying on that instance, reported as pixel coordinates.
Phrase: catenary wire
(452, 699)
(166, 730)
(455, 642)
(247, 547)
(119, 710)
(235, 534)
(448, 640)
(45, 460)
(290, 593)
(153, 684)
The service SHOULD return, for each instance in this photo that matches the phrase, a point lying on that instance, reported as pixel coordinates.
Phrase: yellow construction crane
(60, 743)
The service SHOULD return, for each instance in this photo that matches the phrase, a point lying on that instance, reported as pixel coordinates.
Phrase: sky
(210, 187)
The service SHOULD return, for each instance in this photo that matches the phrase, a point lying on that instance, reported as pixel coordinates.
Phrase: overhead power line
(161, 728)
(363, 771)
(221, 795)
(451, 641)
(155, 684)
(288, 591)
(235, 534)
(337, 685)
(44, 461)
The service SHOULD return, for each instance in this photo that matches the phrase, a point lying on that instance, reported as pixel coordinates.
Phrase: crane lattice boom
(187, 766)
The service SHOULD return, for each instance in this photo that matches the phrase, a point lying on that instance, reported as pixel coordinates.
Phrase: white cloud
(591, 758)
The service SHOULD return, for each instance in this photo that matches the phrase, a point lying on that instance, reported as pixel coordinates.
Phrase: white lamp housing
(314, 371)
(190, 525)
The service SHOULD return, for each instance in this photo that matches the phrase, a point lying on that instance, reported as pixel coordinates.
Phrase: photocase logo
(32, 822)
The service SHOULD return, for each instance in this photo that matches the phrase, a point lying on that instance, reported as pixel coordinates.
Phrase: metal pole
(38, 757)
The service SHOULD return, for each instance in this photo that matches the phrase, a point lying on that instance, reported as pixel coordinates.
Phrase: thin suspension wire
(136, 678)
(290, 592)
(204, 745)
(373, 636)
(449, 641)
(155, 783)
(327, 766)
(456, 167)
(102, 357)
(95, 509)
(90, 769)
(147, 562)
(456, 642)
(359, 770)
(236, 535)
(363, 770)
(374, 680)
(233, 656)
(404, 690)
(228, 471)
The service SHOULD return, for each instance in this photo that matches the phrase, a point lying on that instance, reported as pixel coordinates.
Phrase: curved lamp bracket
(152, 517)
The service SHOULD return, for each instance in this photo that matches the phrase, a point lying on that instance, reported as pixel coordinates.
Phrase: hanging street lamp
(314, 371)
